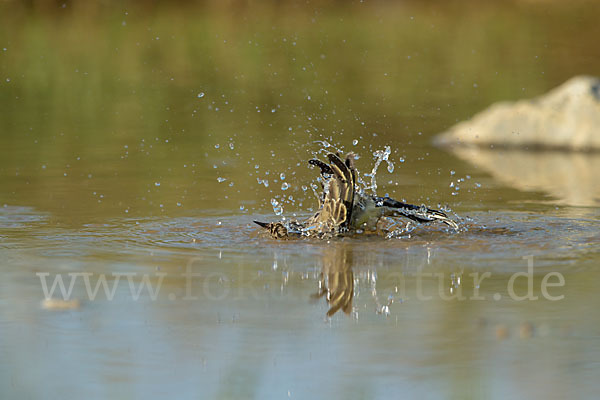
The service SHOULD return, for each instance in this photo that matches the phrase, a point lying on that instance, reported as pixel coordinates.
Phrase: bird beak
(263, 224)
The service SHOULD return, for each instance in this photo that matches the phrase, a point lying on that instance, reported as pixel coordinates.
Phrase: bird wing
(341, 186)
(338, 184)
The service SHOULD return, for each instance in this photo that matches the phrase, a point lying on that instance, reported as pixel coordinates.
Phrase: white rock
(568, 117)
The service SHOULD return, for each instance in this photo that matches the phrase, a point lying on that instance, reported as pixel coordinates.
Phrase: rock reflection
(336, 281)
(572, 178)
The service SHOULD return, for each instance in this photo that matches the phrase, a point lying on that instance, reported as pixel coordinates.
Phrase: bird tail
(420, 214)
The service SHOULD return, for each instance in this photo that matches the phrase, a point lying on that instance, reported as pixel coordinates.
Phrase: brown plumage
(335, 208)
(343, 207)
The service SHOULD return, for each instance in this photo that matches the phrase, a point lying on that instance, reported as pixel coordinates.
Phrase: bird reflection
(336, 282)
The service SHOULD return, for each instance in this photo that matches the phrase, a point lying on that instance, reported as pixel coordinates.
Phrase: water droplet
(156, 183)
(220, 180)
(355, 142)
(273, 110)
(390, 167)
(402, 159)
(282, 176)
(200, 95)
(217, 146)
(285, 186)
(452, 172)
(277, 208)
(231, 146)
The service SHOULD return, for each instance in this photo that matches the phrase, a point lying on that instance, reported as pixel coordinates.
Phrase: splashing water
(380, 155)
(390, 226)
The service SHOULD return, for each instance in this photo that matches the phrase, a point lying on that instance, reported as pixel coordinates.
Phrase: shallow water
(111, 171)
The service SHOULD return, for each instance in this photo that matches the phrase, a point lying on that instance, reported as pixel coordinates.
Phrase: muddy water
(135, 183)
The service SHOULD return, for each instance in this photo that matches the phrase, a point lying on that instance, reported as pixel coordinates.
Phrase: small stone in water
(60, 304)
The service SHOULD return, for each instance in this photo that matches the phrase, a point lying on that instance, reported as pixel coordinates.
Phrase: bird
(344, 207)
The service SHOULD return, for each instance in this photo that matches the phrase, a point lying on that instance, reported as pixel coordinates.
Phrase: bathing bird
(344, 207)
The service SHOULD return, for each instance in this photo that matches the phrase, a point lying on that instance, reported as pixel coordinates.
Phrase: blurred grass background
(119, 96)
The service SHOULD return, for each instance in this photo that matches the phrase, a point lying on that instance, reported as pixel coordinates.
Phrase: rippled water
(251, 324)
(137, 149)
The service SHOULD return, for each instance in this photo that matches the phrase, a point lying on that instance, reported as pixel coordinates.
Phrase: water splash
(394, 226)
(380, 156)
